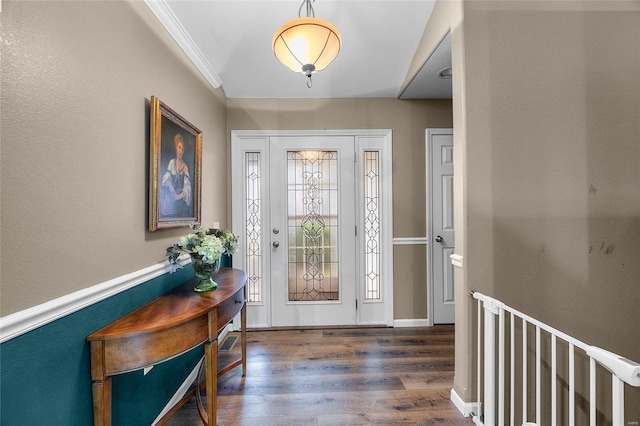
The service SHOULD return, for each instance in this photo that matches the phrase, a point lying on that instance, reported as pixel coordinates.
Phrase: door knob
(275, 244)
(439, 239)
(276, 230)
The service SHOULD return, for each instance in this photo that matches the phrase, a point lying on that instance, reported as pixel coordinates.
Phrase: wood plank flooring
(363, 376)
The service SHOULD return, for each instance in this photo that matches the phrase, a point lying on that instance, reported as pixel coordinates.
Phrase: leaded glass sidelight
(312, 222)
(253, 259)
(372, 224)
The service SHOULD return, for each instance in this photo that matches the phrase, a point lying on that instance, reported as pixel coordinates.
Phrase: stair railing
(491, 375)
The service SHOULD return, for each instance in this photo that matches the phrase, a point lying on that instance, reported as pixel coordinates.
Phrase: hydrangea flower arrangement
(206, 247)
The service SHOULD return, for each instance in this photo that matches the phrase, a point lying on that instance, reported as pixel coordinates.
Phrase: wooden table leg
(211, 366)
(243, 337)
(102, 402)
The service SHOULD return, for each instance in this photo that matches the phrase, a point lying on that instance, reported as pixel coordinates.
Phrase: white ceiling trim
(177, 31)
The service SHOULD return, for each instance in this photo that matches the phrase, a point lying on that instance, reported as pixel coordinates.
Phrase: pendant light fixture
(308, 44)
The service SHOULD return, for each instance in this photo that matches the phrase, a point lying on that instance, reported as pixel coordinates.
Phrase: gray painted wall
(76, 82)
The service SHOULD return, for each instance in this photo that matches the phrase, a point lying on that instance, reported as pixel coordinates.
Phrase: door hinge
(356, 304)
(356, 230)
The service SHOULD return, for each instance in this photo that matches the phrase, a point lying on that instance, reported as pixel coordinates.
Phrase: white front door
(313, 252)
(441, 231)
(314, 216)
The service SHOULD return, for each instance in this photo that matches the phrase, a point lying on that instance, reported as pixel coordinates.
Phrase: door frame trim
(383, 138)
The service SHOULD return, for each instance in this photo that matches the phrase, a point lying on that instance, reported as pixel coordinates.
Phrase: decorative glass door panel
(312, 223)
(253, 228)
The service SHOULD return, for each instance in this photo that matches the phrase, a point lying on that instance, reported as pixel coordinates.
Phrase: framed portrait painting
(174, 169)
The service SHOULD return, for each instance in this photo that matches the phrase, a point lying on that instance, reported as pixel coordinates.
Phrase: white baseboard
(468, 409)
(29, 319)
(412, 323)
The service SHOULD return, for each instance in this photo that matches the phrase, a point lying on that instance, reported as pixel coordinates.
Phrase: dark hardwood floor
(364, 376)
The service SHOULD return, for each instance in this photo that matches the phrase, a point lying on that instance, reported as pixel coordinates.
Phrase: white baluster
(538, 378)
(524, 371)
(489, 365)
(501, 368)
(554, 380)
(572, 386)
(592, 392)
(512, 388)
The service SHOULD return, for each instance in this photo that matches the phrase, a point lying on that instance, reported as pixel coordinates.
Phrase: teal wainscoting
(45, 376)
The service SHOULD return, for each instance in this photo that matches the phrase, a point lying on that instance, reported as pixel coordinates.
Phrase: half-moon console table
(165, 327)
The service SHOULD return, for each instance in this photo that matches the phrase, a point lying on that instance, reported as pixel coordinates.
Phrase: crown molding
(161, 9)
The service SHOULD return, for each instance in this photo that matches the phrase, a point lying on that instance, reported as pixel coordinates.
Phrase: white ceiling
(230, 41)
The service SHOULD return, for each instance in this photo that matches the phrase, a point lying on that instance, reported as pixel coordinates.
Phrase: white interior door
(312, 238)
(441, 231)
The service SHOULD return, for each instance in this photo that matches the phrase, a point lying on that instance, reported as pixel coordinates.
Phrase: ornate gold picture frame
(175, 174)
